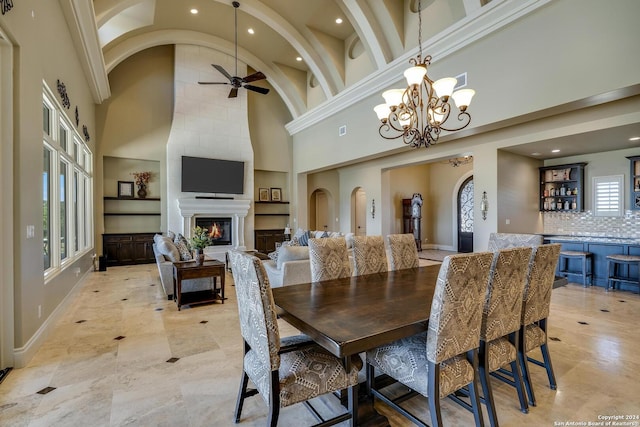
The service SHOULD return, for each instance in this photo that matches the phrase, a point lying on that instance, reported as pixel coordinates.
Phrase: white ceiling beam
(369, 31)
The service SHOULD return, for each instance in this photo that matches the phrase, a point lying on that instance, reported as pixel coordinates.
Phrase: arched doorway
(465, 216)
(359, 212)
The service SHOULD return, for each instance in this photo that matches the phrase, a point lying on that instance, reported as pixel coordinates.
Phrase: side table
(184, 270)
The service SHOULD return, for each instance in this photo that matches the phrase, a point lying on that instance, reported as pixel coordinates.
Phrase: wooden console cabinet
(265, 240)
(128, 248)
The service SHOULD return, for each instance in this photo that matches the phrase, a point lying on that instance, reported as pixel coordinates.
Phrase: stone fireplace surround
(236, 209)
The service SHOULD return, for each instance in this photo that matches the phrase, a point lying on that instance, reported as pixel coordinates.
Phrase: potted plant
(199, 240)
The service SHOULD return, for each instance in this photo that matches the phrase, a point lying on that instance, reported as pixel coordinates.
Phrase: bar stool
(563, 267)
(617, 260)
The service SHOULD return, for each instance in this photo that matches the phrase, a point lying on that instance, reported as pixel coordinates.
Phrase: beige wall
(518, 194)
(403, 183)
(43, 51)
(134, 123)
(271, 142)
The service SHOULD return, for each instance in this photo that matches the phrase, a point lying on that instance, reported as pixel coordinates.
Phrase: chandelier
(457, 161)
(420, 112)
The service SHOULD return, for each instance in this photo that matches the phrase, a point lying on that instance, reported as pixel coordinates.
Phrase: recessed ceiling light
(250, 31)
(535, 154)
(194, 11)
(634, 138)
(338, 20)
(298, 58)
(555, 151)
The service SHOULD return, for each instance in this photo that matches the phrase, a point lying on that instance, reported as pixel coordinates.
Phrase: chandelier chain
(419, 30)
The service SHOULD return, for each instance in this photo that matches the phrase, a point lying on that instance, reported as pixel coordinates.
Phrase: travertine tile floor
(100, 380)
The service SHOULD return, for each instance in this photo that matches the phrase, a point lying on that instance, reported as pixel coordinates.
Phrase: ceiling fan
(235, 81)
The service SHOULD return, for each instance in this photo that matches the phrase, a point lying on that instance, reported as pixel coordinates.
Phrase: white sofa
(292, 265)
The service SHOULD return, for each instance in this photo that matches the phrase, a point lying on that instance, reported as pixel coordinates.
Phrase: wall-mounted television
(202, 175)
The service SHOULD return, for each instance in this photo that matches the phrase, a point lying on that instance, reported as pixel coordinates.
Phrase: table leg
(179, 292)
(222, 286)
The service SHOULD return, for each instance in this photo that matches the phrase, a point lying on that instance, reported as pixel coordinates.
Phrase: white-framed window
(66, 189)
(607, 195)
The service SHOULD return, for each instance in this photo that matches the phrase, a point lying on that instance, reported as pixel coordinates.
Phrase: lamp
(420, 112)
(373, 208)
(287, 233)
(484, 205)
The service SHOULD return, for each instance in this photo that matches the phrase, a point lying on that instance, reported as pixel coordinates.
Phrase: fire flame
(216, 231)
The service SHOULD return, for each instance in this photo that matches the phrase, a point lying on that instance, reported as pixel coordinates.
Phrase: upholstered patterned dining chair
(329, 258)
(288, 370)
(535, 311)
(403, 252)
(444, 359)
(369, 255)
(501, 319)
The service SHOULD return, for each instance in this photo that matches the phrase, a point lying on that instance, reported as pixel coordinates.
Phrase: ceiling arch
(121, 51)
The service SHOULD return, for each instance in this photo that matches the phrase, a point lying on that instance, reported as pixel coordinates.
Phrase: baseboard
(22, 355)
(438, 247)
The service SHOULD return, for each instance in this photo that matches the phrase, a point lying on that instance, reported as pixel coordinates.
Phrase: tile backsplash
(585, 224)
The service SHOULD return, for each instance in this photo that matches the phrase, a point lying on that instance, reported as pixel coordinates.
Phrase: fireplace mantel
(237, 209)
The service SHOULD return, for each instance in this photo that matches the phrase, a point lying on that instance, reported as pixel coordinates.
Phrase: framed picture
(263, 194)
(125, 189)
(276, 194)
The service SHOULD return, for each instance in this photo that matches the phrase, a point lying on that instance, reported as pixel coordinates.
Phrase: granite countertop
(594, 239)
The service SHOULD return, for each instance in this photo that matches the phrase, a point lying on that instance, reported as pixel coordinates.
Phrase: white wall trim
(7, 309)
(81, 21)
(22, 355)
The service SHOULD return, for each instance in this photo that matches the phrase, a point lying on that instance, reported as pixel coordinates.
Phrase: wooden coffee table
(184, 270)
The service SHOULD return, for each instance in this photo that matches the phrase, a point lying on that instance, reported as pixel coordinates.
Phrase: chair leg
(486, 384)
(547, 358)
(353, 405)
(433, 389)
(522, 359)
(517, 377)
(241, 395)
(611, 268)
(547, 364)
(474, 395)
(370, 371)
(274, 399)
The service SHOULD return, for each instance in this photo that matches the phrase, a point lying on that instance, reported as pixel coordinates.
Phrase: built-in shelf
(272, 203)
(132, 214)
(147, 199)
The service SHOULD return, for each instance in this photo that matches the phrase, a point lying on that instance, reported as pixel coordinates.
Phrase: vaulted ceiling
(307, 56)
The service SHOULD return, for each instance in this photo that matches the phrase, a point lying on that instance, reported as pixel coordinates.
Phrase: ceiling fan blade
(213, 83)
(254, 77)
(262, 90)
(233, 93)
(222, 71)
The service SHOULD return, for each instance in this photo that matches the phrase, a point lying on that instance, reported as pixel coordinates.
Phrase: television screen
(200, 175)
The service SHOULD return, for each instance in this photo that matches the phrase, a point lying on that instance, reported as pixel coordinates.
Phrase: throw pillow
(325, 234)
(303, 240)
(182, 239)
(292, 253)
(183, 248)
(168, 249)
(171, 234)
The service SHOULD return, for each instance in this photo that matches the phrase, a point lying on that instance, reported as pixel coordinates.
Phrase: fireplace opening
(219, 229)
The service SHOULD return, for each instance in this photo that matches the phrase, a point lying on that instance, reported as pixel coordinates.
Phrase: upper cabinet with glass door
(634, 182)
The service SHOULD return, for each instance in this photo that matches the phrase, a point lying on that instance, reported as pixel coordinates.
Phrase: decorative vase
(142, 191)
(198, 256)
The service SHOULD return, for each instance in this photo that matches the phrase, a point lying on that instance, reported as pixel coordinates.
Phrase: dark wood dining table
(354, 314)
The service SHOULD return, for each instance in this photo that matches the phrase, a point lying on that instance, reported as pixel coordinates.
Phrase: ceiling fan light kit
(235, 81)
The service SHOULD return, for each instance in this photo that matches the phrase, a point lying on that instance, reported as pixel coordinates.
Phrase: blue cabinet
(600, 248)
